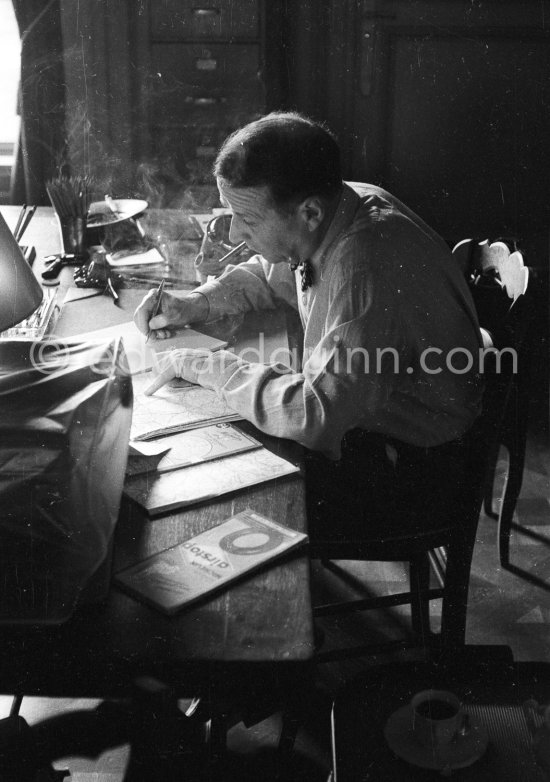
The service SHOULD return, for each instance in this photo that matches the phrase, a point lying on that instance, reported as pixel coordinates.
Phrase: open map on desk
(167, 491)
(174, 408)
(186, 448)
(208, 562)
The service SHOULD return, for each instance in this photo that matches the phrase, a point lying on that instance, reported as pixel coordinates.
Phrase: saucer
(459, 753)
(99, 213)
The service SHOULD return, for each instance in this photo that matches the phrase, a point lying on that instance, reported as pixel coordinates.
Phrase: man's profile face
(275, 235)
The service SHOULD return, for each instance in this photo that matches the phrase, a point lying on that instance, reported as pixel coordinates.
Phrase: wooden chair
(504, 294)
(438, 557)
(445, 548)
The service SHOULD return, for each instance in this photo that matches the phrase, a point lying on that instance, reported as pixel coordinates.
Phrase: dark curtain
(41, 145)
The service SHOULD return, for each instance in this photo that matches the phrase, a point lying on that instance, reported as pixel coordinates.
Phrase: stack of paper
(208, 457)
(182, 449)
(162, 492)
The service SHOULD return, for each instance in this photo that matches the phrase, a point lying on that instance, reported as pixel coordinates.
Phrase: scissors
(55, 263)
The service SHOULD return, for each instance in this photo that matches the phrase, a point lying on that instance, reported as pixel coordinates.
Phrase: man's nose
(237, 232)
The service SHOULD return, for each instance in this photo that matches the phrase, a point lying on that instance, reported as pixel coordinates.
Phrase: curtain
(41, 148)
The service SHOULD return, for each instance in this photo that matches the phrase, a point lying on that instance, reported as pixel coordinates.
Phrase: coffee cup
(436, 717)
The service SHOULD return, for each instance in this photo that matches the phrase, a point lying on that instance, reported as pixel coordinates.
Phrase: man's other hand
(184, 363)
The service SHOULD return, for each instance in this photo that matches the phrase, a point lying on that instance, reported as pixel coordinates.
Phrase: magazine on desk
(208, 562)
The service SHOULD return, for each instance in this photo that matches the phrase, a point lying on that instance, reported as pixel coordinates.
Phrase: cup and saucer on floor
(434, 731)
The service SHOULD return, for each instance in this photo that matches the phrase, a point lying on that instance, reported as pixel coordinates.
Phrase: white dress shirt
(387, 302)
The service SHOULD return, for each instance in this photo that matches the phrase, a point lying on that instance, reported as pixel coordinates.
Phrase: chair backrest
(503, 292)
(499, 283)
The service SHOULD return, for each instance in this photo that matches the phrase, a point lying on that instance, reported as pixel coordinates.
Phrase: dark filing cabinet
(207, 67)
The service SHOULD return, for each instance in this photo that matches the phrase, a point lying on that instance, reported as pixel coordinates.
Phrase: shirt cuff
(214, 371)
(215, 295)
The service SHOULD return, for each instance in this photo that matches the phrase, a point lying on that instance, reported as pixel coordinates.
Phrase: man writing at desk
(387, 388)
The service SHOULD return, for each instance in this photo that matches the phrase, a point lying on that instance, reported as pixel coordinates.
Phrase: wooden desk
(258, 631)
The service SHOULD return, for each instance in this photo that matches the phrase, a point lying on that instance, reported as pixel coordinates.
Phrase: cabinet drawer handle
(206, 12)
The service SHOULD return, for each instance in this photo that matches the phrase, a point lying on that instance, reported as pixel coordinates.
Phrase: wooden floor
(505, 607)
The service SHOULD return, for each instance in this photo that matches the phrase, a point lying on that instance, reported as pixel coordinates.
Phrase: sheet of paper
(194, 447)
(143, 355)
(125, 258)
(200, 482)
(174, 408)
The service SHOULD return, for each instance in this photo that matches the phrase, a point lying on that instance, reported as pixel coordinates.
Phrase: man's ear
(312, 211)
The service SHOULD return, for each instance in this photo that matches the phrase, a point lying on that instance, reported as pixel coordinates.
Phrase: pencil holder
(72, 231)
(70, 197)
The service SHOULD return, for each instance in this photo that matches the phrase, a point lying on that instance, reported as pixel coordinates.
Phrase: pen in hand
(158, 297)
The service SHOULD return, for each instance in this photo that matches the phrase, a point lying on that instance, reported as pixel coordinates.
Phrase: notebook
(143, 355)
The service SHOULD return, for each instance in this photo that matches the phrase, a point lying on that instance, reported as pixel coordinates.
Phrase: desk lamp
(20, 291)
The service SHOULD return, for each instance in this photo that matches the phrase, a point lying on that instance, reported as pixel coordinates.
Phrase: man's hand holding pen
(173, 313)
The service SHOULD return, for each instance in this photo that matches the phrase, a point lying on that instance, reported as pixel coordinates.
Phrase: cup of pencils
(70, 197)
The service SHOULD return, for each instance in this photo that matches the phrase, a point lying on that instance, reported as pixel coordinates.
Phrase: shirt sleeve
(344, 381)
(253, 285)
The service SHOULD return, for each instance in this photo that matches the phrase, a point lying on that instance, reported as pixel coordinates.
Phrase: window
(10, 58)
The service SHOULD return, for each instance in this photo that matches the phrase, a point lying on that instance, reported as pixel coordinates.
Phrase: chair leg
(285, 747)
(216, 740)
(419, 578)
(492, 461)
(512, 489)
(457, 582)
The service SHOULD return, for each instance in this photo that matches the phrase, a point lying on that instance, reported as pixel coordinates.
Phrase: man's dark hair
(295, 156)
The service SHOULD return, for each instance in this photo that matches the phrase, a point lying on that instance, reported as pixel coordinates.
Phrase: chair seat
(391, 549)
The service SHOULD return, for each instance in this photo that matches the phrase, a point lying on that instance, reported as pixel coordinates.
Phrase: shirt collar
(342, 218)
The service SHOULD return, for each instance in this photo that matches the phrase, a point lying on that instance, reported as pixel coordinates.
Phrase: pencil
(149, 280)
(25, 224)
(158, 297)
(20, 220)
(237, 249)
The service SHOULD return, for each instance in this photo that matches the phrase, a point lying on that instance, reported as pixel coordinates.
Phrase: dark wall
(446, 104)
